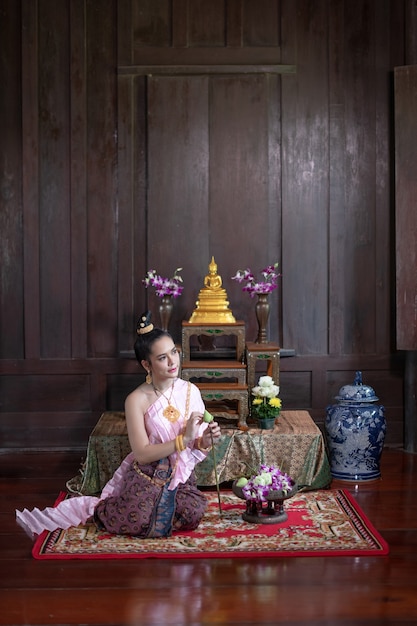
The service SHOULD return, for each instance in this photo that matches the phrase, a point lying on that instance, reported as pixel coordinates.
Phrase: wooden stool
(217, 393)
(211, 371)
(266, 352)
(237, 329)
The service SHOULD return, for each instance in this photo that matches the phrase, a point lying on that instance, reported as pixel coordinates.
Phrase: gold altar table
(296, 444)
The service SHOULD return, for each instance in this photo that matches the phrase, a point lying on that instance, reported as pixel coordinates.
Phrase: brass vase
(262, 315)
(165, 311)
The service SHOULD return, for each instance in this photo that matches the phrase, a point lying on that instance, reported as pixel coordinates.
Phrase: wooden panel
(125, 24)
(102, 180)
(140, 208)
(47, 393)
(240, 210)
(207, 22)
(406, 201)
(337, 215)
(359, 169)
(199, 32)
(205, 62)
(239, 112)
(234, 34)
(305, 165)
(11, 250)
(163, 32)
(119, 387)
(61, 430)
(383, 195)
(129, 172)
(261, 22)
(132, 207)
(30, 180)
(54, 214)
(274, 211)
(179, 23)
(78, 180)
(151, 22)
(178, 185)
(295, 389)
(410, 9)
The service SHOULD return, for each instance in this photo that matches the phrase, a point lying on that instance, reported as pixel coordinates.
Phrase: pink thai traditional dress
(150, 500)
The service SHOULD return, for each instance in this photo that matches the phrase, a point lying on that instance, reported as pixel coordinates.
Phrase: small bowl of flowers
(265, 493)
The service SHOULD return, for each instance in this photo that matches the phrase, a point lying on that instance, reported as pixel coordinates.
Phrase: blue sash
(160, 524)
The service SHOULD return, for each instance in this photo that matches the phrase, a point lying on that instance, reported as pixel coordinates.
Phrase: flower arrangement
(256, 287)
(164, 286)
(266, 404)
(269, 478)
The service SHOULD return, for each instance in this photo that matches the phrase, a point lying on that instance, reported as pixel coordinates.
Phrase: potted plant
(266, 405)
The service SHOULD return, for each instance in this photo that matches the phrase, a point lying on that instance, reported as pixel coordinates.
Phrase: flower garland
(164, 286)
(256, 287)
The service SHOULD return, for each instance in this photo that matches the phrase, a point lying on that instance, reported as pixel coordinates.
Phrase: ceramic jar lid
(357, 392)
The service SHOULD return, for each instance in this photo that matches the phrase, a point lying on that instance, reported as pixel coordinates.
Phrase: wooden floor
(307, 590)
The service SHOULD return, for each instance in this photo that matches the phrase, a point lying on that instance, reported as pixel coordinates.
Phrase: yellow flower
(266, 403)
(275, 402)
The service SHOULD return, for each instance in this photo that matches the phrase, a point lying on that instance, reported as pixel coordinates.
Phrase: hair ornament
(144, 324)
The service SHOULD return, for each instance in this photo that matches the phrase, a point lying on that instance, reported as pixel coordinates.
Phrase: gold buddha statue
(212, 304)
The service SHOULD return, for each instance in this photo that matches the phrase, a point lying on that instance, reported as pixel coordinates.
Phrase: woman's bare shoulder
(140, 397)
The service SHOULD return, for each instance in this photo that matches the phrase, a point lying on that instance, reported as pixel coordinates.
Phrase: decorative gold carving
(212, 305)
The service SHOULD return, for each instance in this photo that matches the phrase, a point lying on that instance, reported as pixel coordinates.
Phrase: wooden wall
(138, 134)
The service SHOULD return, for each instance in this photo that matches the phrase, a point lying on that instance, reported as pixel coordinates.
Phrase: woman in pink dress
(154, 490)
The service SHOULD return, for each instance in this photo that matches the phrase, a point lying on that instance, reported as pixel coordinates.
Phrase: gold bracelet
(179, 443)
(200, 447)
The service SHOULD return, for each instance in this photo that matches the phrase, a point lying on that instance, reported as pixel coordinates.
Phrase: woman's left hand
(213, 429)
(193, 426)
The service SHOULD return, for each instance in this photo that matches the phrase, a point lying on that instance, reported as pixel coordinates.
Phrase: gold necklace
(170, 412)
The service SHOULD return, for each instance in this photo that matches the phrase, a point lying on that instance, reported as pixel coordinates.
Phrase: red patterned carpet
(320, 523)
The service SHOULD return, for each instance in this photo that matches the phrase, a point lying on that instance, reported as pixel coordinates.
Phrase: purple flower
(255, 287)
(269, 478)
(164, 286)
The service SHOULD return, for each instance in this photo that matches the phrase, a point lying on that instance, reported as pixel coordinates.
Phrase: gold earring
(149, 378)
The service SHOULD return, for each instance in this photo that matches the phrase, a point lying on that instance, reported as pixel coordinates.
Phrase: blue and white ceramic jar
(355, 433)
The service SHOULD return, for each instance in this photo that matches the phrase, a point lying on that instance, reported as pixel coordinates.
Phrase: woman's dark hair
(147, 334)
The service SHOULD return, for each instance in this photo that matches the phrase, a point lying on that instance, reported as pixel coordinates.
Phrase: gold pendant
(171, 413)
